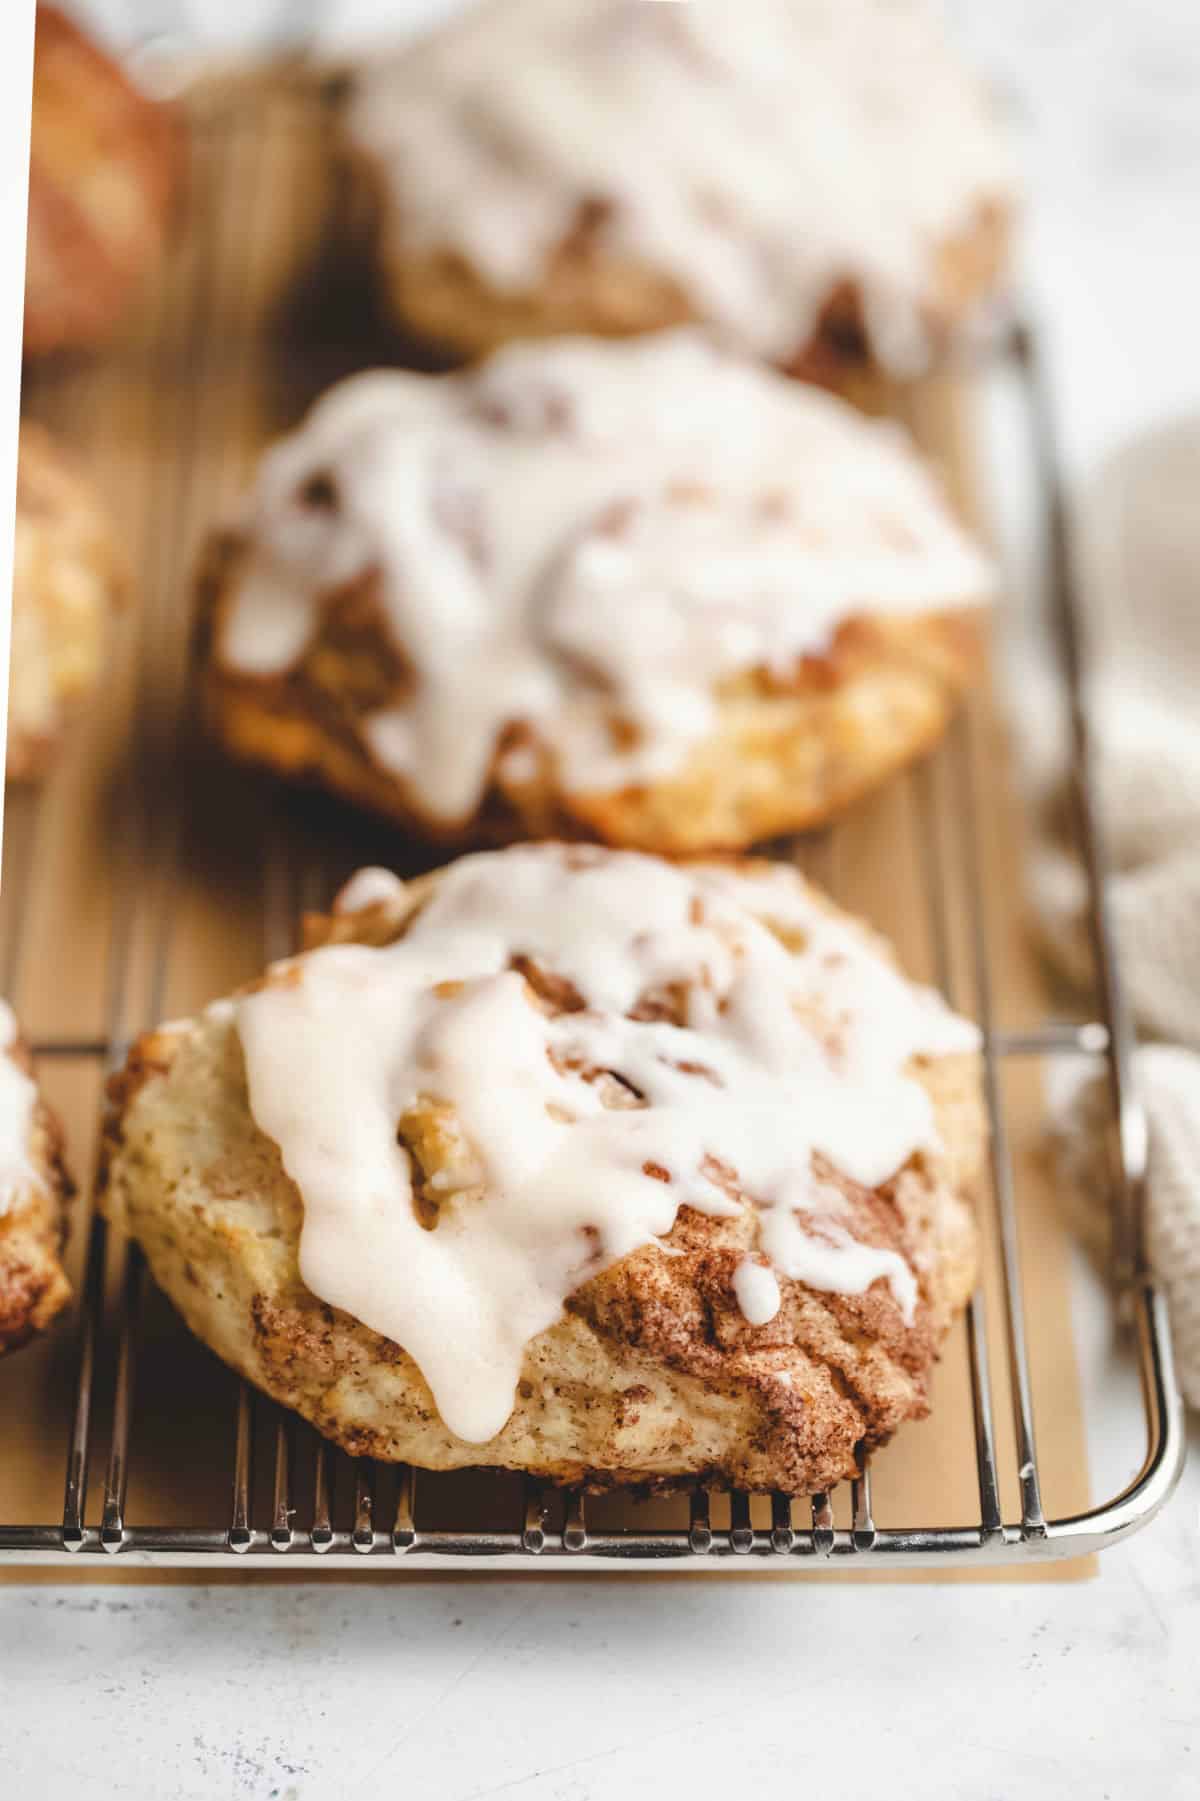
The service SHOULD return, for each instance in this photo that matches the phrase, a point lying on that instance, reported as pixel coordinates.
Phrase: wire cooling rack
(292, 1500)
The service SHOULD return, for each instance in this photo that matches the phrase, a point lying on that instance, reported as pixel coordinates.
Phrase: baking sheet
(148, 876)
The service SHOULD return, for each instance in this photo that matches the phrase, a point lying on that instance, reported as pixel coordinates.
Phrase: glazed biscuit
(644, 592)
(574, 1162)
(104, 167)
(66, 580)
(34, 1189)
(821, 181)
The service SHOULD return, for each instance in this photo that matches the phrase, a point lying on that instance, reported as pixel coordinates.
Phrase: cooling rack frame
(246, 1538)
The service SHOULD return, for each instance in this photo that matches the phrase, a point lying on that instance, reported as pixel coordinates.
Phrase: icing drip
(757, 1289)
(370, 887)
(592, 1040)
(585, 540)
(759, 155)
(18, 1097)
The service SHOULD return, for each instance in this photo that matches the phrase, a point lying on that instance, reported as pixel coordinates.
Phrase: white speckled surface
(566, 1691)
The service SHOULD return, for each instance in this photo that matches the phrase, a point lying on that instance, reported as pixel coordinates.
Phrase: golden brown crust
(66, 580)
(788, 753)
(33, 1284)
(104, 161)
(652, 1376)
(440, 297)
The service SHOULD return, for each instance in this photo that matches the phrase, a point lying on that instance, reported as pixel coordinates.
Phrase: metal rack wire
(527, 1525)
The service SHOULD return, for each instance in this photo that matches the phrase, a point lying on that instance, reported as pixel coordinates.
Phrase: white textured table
(560, 1690)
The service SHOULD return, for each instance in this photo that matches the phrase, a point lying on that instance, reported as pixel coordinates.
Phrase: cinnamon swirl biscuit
(570, 1161)
(644, 592)
(821, 179)
(33, 1193)
(66, 578)
(102, 170)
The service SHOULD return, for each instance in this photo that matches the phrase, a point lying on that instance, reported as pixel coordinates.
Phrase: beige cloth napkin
(1139, 548)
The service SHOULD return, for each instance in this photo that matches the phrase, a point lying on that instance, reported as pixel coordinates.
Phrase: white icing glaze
(784, 1056)
(18, 1097)
(757, 1289)
(759, 154)
(578, 535)
(368, 887)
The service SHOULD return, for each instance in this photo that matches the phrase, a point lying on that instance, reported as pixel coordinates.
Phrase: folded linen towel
(1139, 557)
